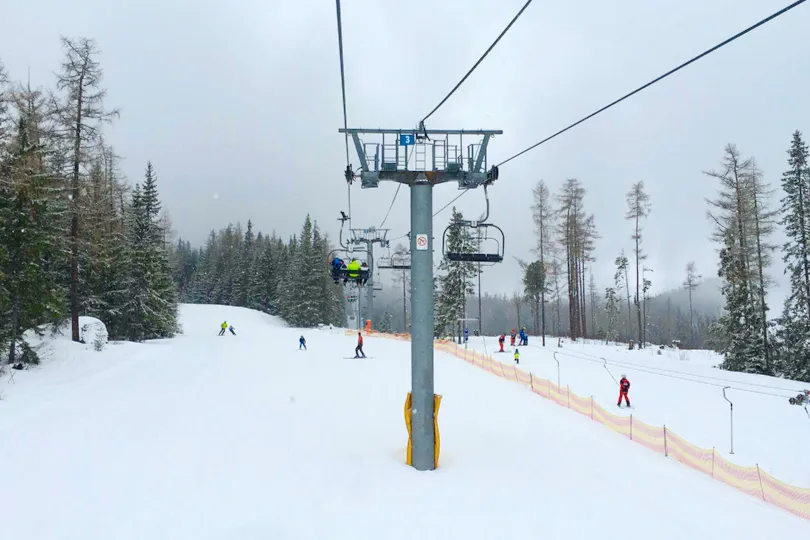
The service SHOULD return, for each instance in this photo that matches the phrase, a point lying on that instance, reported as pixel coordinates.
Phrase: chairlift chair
(394, 262)
(492, 237)
(342, 273)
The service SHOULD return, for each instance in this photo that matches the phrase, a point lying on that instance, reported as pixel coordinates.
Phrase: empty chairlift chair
(490, 243)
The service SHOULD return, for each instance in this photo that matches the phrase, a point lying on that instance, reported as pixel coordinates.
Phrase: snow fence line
(751, 480)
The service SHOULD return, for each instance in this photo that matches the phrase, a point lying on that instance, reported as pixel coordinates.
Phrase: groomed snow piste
(684, 391)
(245, 437)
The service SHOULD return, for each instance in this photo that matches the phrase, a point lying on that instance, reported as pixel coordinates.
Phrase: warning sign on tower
(422, 242)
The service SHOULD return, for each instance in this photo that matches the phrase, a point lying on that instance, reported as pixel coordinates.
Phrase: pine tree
(612, 310)
(244, 266)
(534, 287)
(300, 297)
(638, 208)
(742, 331)
(621, 268)
(385, 323)
(151, 309)
(456, 282)
(742, 348)
(645, 288)
(690, 284)
(80, 114)
(5, 119)
(543, 216)
(794, 333)
(576, 234)
(31, 292)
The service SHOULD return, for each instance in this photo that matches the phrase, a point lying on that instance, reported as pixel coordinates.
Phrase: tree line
(257, 271)
(74, 237)
(559, 294)
(743, 223)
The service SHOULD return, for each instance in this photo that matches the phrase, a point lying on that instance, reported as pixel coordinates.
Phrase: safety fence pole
(759, 475)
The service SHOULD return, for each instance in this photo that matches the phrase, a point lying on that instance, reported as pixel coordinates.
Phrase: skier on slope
(223, 327)
(524, 337)
(302, 343)
(512, 338)
(501, 341)
(230, 327)
(517, 357)
(359, 349)
(624, 389)
(466, 335)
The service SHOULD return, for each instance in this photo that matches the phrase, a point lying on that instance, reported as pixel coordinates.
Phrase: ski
(357, 358)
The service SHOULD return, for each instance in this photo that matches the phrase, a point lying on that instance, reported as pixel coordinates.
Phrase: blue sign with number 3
(406, 139)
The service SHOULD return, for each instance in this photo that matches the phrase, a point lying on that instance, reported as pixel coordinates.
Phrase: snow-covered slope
(245, 437)
(684, 391)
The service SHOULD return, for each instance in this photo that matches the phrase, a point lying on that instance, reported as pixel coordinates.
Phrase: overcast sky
(237, 103)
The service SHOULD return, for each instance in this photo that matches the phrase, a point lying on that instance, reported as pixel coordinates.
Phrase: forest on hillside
(241, 268)
(75, 236)
(667, 313)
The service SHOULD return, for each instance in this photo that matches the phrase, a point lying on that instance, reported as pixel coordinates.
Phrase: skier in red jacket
(624, 388)
(501, 341)
(359, 349)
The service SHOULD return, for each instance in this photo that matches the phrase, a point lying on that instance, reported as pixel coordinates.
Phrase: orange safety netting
(751, 480)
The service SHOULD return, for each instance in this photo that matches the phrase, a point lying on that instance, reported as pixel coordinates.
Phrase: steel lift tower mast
(440, 156)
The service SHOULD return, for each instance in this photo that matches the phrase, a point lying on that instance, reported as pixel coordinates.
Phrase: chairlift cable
(456, 87)
(345, 116)
(657, 79)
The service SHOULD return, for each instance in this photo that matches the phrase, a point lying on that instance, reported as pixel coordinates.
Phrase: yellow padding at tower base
(437, 401)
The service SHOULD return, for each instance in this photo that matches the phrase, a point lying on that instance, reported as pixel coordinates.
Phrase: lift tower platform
(439, 156)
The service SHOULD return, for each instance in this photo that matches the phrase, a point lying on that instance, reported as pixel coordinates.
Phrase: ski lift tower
(369, 237)
(439, 156)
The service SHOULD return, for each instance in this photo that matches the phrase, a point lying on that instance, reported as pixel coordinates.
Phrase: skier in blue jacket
(302, 343)
(524, 338)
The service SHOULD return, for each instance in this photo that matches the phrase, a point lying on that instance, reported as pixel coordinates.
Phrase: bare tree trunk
(638, 292)
(629, 311)
(805, 254)
(582, 297)
(74, 218)
(762, 306)
(15, 308)
(691, 323)
(644, 307)
(543, 313)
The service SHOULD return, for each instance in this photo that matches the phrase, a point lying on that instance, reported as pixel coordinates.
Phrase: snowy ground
(684, 391)
(205, 437)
